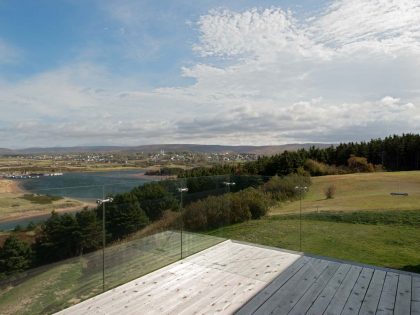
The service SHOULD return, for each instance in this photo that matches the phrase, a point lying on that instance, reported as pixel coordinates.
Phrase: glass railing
(102, 236)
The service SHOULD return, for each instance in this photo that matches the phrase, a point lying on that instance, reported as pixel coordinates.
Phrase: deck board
(371, 301)
(340, 298)
(403, 298)
(284, 300)
(388, 296)
(316, 288)
(323, 300)
(238, 278)
(357, 295)
(415, 296)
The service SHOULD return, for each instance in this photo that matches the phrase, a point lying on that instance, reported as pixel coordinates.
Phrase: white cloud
(265, 77)
(378, 25)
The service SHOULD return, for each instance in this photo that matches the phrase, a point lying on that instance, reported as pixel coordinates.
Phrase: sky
(237, 72)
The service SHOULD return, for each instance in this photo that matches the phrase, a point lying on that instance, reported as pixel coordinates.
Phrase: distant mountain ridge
(152, 148)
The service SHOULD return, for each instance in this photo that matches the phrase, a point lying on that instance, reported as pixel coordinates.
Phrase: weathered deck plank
(415, 296)
(357, 295)
(403, 299)
(327, 294)
(340, 298)
(316, 288)
(373, 294)
(244, 279)
(252, 305)
(283, 300)
(389, 291)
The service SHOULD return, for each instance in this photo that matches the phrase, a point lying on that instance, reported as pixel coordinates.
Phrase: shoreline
(14, 188)
(9, 186)
(36, 214)
(153, 177)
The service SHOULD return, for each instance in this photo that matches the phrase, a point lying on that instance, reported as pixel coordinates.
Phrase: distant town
(25, 166)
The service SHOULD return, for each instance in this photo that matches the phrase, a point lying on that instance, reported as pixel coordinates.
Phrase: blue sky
(154, 45)
(228, 72)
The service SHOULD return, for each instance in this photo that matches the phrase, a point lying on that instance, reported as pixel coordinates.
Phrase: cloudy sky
(128, 72)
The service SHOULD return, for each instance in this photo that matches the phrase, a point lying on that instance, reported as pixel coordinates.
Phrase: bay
(84, 186)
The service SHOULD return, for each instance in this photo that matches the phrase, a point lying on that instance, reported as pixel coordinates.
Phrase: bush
(359, 164)
(257, 201)
(284, 188)
(238, 208)
(329, 191)
(208, 213)
(216, 211)
(316, 168)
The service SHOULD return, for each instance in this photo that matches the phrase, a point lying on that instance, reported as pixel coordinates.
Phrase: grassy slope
(368, 191)
(379, 235)
(54, 287)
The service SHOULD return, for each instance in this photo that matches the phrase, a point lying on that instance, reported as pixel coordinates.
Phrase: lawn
(393, 243)
(363, 191)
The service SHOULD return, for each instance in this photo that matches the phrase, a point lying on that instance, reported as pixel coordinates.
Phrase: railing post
(181, 190)
(300, 189)
(102, 202)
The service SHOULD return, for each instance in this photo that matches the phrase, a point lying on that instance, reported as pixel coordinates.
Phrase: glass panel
(50, 260)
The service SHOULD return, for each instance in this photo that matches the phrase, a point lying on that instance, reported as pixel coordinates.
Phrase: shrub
(329, 191)
(359, 164)
(217, 211)
(238, 208)
(281, 189)
(257, 201)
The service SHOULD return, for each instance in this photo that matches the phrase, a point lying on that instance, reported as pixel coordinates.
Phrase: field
(363, 191)
(386, 245)
(362, 223)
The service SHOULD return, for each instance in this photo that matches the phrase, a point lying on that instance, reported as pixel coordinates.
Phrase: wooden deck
(239, 278)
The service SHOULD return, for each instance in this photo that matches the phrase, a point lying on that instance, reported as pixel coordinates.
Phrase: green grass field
(363, 191)
(392, 244)
(362, 223)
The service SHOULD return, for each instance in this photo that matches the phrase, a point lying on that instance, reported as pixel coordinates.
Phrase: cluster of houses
(32, 175)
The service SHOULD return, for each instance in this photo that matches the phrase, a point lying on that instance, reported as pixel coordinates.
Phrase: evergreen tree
(15, 256)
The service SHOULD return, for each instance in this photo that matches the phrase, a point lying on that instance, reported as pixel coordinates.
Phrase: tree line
(393, 153)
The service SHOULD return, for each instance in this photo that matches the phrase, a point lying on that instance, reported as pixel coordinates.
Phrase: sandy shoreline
(153, 177)
(10, 186)
(13, 188)
(40, 213)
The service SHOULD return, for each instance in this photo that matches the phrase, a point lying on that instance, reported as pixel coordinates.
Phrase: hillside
(363, 191)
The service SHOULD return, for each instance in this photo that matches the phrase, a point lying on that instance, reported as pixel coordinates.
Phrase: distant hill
(4, 151)
(199, 148)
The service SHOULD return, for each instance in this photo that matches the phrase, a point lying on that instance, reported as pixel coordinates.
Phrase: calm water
(84, 186)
